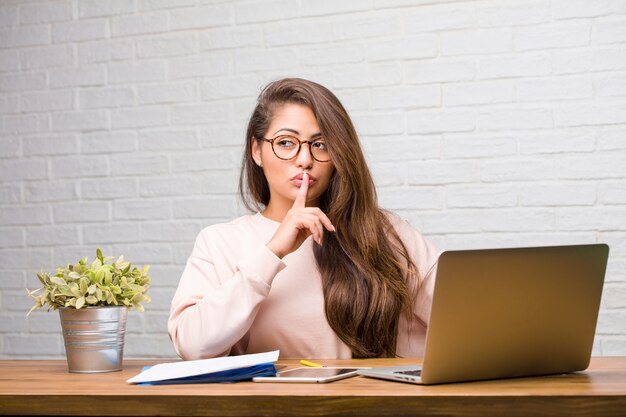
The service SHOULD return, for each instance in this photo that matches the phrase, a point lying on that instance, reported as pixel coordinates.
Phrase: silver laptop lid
(513, 312)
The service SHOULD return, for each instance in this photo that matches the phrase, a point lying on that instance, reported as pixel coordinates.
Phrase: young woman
(320, 271)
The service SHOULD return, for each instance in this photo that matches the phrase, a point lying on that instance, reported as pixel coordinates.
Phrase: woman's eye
(286, 143)
(319, 145)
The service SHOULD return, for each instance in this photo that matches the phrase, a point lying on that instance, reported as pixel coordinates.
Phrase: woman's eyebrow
(286, 129)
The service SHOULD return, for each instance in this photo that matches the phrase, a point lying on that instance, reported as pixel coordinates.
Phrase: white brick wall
(486, 124)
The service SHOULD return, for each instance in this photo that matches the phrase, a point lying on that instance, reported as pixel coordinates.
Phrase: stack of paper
(227, 369)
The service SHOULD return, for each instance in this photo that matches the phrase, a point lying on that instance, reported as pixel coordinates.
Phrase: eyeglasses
(287, 147)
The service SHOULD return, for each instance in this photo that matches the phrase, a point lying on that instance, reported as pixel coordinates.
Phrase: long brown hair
(364, 265)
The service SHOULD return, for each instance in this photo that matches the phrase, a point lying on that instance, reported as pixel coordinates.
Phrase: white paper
(164, 371)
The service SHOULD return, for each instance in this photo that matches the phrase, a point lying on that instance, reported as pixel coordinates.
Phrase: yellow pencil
(313, 364)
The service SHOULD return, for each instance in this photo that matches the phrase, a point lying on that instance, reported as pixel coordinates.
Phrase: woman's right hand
(299, 223)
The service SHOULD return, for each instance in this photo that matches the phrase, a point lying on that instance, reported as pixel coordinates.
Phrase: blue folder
(232, 375)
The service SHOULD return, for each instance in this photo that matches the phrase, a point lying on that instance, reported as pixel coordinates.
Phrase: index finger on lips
(300, 201)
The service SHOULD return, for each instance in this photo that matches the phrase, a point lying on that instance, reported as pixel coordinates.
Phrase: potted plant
(93, 299)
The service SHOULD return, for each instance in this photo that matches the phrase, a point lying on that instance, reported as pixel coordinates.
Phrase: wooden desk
(46, 388)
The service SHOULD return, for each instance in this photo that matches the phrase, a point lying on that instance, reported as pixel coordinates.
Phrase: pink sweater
(235, 296)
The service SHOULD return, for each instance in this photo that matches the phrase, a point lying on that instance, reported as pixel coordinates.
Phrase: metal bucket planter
(94, 338)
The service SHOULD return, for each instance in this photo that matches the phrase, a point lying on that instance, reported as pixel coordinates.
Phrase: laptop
(503, 313)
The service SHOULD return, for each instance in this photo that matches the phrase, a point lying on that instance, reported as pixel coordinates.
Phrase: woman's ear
(256, 152)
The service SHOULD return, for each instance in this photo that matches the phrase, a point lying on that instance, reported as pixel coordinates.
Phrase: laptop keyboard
(414, 372)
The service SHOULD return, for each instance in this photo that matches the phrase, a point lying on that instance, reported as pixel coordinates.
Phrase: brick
(479, 92)
(77, 31)
(47, 57)
(170, 92)
(22, 82)
(436, 121)
(388, 174)
(613, 193)
(478, 145)
(48, 323)
(78, 77)
(564, 194)
(517, 169)
(415, 47)
(518, 65)
(24, 36)
(139, 117)
(209, 65)
(357, 27)
(413, 198)
(169, 186)
(577, 60)
(50, 145)
(298, 32)
(145, 209)
(51, 235)
(112, 233)
(109, 188)
(230, 37)
(609, 86)
(379, 123)
(552, 238)
(277, 59)
(598, 218)
(105, 51)
(33, 346)
(136, 72)
(590, 114)
(323, 56)
(230, 87)
(47, 101)
(45, 192)
(511, 14)
(556, 142)
(185, 114)
(588, 167)
(101, 8)
(554, 89)
(23, 169)
(82, 212)
(611, 139)
(451, 221)
(472, 42)
(155, 320)
(164, 4)
(9, 16)
(516, 220)
(204, 207)
(45, 13)
(402, 148)
(218, 182)
(434, 18)
(168, 276)
(439, 70)
(31, 123)
(10, 193)
(166, 140)
(139, 24)
(479, 196)
(201, 17)
(11, 237)
(617, 258)
(613, 346)
(149, 346)
(170, 232)
(214, 158)
(250, 12)
(564, 9)
(514, 119)
(24, 215)
(80, 166)
(609, 30)
(80, 121)
(108, 142)
(367, 76)
(9, 105)
(554, 35)
(11, 147)
(98, 98)
(63, 255)
(443, 172)
(139, 165)
(166, 46)
(10, 60)
(353, 100)
(29, 259)
(330, 7)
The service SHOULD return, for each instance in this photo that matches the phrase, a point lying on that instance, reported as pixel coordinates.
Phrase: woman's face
(284, 176)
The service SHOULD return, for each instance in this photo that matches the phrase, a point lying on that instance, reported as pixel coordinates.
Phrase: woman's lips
(297, 180)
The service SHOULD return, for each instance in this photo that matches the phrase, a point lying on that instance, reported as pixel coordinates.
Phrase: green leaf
(99, 254)
(58, 281)
(80, 302)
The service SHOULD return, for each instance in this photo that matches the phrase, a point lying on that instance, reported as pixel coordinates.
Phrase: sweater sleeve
(214, 305)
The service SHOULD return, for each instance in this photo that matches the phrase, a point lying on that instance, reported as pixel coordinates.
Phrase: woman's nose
(304, 158)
